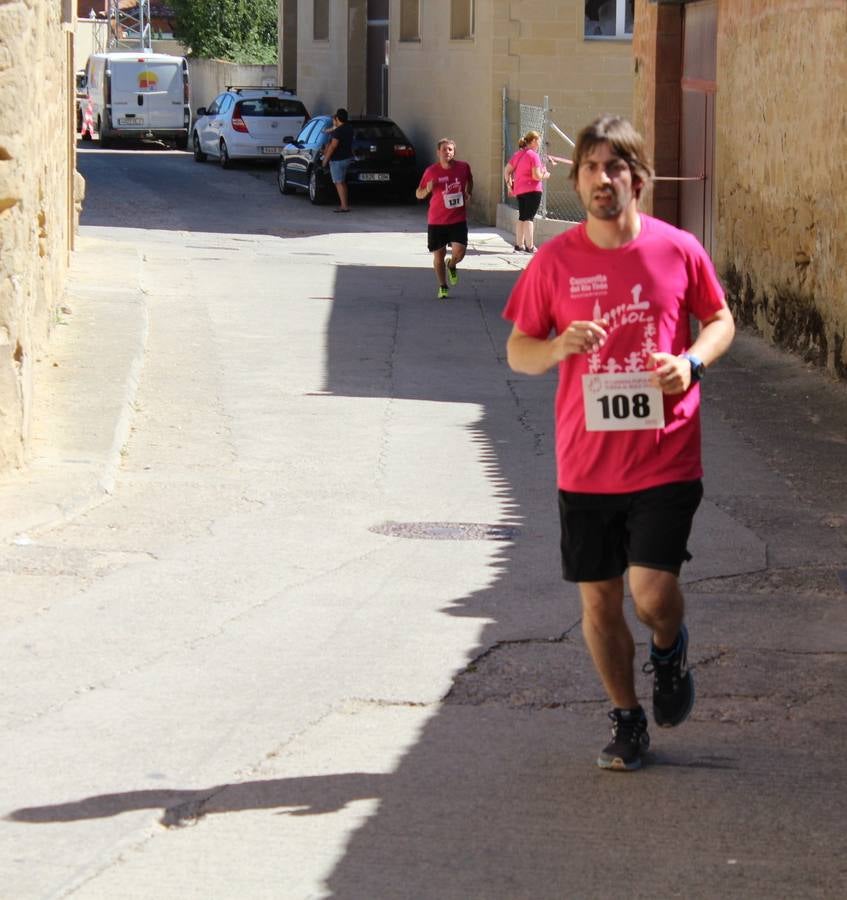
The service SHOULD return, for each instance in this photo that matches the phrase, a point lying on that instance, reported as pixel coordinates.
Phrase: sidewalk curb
(84, 384)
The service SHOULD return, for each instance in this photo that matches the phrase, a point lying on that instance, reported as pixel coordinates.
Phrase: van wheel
(199, 155)
(103, 134)
(285, 186)
(223, 159)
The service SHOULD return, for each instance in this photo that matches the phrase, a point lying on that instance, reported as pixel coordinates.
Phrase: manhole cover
(447, 531)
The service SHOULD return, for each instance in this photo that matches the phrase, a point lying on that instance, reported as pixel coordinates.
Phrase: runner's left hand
(672, 374)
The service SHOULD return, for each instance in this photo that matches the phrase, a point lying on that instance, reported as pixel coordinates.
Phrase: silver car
(247, 123)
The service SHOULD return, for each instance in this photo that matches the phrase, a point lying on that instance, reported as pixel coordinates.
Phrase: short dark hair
(625, 141)
(341, 114)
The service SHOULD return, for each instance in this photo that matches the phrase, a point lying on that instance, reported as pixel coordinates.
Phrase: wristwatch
(698, 370)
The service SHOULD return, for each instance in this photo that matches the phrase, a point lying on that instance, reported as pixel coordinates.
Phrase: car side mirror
(201, 111)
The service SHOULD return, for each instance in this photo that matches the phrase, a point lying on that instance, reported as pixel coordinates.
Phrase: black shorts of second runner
(603, 534)
(528, 204)
(439, 236)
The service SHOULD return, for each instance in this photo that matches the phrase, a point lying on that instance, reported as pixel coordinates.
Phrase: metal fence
(559, 200)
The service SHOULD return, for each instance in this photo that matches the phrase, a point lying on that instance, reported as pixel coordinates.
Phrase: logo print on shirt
(636, 312)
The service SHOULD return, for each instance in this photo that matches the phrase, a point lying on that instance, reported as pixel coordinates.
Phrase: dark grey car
(384, 160)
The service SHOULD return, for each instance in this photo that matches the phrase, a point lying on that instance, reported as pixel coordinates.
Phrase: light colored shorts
(338, 169)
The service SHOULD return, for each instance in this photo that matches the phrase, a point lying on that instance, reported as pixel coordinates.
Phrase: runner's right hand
(580, 337)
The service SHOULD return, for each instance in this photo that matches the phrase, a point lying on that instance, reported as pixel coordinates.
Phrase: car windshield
(376, 131)
(272, 107)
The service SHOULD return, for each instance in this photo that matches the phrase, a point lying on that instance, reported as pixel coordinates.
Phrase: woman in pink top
(524, 174)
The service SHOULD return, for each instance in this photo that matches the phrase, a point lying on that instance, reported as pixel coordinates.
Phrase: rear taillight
(403, 150)
(238, 124)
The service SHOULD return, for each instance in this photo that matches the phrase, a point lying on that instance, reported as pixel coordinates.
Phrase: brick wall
(36, 212)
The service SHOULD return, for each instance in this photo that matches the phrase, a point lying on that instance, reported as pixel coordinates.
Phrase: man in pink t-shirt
(449, 185)
(608, 302)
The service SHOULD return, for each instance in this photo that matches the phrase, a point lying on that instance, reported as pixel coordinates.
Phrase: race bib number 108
(622, 402)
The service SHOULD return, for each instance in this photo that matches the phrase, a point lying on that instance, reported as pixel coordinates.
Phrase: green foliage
(243, 31)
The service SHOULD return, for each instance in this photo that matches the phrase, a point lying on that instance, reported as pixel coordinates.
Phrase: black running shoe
(629, 742)
(673, 686)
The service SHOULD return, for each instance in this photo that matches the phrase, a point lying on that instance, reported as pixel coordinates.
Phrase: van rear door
(148, 93)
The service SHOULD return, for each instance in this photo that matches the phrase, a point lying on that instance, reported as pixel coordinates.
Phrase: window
(379, 131)
(410, 20)
(271, 107)
(461, 20)
(306, 131)
(320, 25)
(609, 18)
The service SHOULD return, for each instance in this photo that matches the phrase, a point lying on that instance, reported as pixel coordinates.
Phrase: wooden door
(697, 128)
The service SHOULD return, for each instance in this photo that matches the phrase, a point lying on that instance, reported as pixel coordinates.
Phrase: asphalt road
(314, 644)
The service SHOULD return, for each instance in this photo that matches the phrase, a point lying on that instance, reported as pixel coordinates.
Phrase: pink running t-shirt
(646, 289)
(522, 163)
(447, 201)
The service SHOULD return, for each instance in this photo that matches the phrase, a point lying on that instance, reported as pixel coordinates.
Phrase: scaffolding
(129, 26)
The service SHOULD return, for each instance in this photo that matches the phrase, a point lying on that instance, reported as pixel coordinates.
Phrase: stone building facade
(446, 63)
(36, 198)
(777, 155)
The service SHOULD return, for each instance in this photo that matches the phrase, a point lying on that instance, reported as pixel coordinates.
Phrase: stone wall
(781, 160)
(209, 77)
(36, 204)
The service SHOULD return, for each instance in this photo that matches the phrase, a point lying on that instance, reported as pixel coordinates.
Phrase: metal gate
(559, 200)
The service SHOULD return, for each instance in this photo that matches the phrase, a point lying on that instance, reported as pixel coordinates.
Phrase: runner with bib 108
(608, 302)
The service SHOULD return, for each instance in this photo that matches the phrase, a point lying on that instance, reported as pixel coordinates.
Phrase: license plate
(133, 121)
(374, 176)
(271, 149)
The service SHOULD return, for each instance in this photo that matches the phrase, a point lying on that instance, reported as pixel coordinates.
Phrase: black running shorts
(439, 236)
(528, 204)
(603, 534)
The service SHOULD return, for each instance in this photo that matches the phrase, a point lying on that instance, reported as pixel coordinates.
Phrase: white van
(139, 95)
